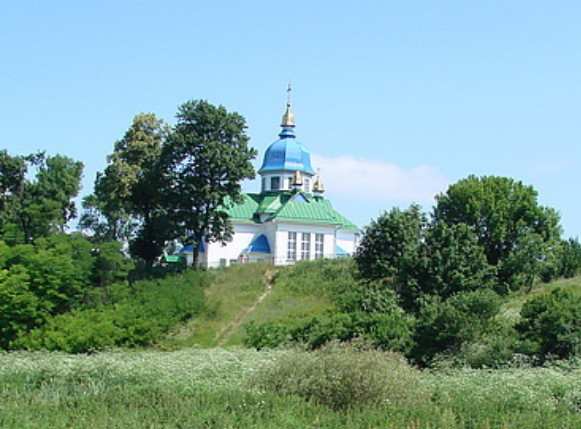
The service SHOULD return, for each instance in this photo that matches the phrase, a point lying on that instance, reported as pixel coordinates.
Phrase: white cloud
(366, 179)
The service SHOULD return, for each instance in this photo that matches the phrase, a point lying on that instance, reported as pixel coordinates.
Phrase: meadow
(239, 388)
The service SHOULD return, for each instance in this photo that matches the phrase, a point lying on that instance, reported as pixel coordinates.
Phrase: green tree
(390, 245)
(128, 202)
(450, 261)
(505, 216)
(37, 208)
(570, 263)
(205, 159)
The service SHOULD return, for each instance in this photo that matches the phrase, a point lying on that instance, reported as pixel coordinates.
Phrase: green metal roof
(244, 210)
(289, 206)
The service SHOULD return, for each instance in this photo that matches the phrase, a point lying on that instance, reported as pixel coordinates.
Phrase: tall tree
(205, 159)
(127, 203)
(505, 216)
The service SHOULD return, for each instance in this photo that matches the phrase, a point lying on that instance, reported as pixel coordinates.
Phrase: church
(289, 219)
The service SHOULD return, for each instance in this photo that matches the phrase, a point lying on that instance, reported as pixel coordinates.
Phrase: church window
(274, 183)
(306, 246)
(292, 246)
(319, 245)
(264, 184)
(307, 185)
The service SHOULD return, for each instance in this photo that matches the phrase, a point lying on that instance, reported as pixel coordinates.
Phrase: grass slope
(233, 291)
(260, 293)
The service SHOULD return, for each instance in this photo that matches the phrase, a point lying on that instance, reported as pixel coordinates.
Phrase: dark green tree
(507, 219)
(128, 203)
(390, 245)
(38, 207)
(570, 263)
(205, 159)
(450, 261)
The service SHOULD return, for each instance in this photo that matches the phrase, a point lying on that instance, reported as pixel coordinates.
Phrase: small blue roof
(259, 245)
(190, 248)
(287, 153)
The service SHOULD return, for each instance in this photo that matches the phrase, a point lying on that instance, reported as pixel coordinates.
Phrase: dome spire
(288, 119)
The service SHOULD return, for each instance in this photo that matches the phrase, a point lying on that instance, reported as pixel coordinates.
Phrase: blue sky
(395, 99)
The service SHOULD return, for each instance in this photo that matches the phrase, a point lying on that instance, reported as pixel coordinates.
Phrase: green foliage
(323, 277)
(32, 209)
(205, 159)
(110, 265)
(342, 377)
(450, 261)
(390, 244)
(50, 277)
(128, 202)
(267, 335)
(551, 324)
(570, 258)
(493, 349)
(369, 311)
(446, 325)
(137, 315)
(515, 232)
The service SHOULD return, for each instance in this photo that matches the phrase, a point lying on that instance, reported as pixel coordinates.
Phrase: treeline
(432, 285)
(162, 185)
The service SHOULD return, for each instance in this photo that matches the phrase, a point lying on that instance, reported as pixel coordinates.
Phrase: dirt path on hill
(226, 332)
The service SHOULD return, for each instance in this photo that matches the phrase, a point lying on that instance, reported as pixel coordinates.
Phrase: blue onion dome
(287, 153)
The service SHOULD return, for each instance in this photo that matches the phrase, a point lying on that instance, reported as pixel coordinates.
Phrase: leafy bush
(443, 326)
(343, 376)
(136, 316)
(367, 311)
(267, 335)
(551, 324)
(494, 349)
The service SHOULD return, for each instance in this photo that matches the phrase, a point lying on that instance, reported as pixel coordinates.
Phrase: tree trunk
(196, 261)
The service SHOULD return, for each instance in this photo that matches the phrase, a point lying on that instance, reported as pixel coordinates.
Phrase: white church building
(289, 219)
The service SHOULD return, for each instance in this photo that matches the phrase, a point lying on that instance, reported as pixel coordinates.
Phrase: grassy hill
(264, 293)
(260, 293)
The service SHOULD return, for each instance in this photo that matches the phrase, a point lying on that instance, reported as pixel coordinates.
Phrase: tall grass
(197, 388)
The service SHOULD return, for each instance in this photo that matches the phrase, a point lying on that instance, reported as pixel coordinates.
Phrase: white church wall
(282, 234)
(347, 240)
(223, 255)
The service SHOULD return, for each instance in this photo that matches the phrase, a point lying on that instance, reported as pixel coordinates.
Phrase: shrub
(443, 326)
(267, 335)
(136, 316)
(343, 376)
(551, 324)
